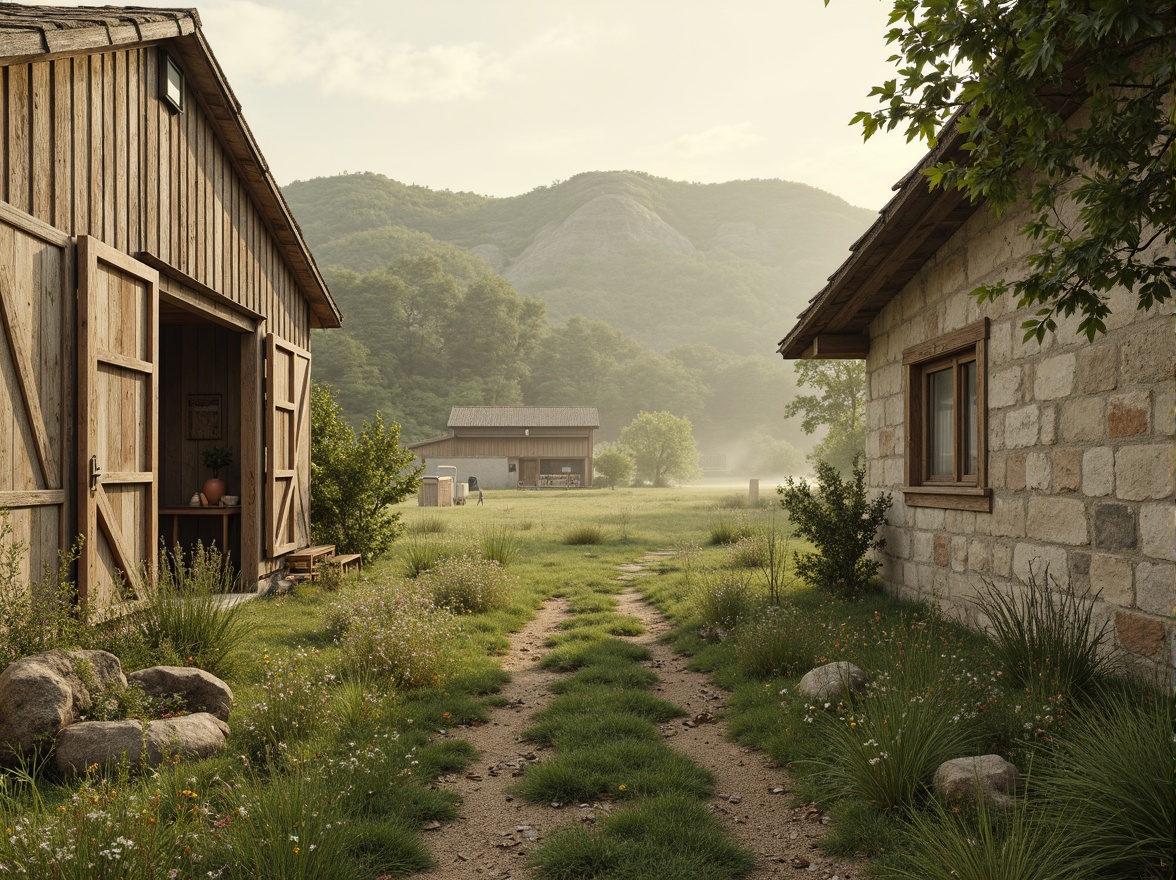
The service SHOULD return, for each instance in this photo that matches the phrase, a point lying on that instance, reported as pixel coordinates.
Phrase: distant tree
(663, 447)
(840, 405)
(356, 478)
(614, 465)
(1079, 95)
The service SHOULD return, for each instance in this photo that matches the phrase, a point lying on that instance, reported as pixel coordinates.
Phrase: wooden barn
(528, 447)
(157, 299)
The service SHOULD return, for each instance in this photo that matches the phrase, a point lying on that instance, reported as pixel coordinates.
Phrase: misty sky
(501, 96)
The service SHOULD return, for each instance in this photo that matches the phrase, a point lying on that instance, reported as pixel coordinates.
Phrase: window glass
(939, 442)
(969, 426)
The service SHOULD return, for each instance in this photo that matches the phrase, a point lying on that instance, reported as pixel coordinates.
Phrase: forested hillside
(616, 289)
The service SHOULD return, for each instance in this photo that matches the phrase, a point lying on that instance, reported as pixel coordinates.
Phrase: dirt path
(494, 830)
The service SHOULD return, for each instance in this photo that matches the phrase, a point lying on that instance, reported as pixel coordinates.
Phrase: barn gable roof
(39, 33)
(524, 417)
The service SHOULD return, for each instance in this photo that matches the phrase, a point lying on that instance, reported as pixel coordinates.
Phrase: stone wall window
(947, 449)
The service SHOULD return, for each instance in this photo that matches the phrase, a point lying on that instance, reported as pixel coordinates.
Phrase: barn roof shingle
(524, 417)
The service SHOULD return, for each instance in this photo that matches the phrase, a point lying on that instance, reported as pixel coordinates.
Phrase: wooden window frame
(950, 351)
(167, 64)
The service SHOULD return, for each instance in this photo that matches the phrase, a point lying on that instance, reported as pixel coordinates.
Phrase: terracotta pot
(214, 489)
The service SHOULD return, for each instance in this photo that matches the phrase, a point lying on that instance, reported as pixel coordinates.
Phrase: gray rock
(106, 743)
(43, 693)
(987, 777)
(832, 680)
(201, 691)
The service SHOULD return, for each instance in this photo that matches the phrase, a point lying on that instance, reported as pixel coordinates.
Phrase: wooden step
(350, 562)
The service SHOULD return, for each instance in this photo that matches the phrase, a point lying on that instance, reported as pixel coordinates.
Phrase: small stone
(800, 862)
(432, 825)
(735, 799)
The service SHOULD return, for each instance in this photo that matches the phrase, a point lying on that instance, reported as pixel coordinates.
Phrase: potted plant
(215, 458)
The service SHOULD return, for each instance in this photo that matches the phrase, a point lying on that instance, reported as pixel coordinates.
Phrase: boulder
(105, 743)
(42, 693)
(985, 777)
(201, 691)
(831, 681)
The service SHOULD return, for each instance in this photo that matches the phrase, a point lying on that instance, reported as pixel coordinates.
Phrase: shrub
(584, 535)
(613, 465)
(469, 584)
(779, 641)
(841, 524)
(500, 544)
(726, 599)
(394, 630)
(1046, 635)
(357, 479)
(184, 614)
(1108, 786)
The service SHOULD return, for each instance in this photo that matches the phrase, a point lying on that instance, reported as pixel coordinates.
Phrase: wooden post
(753, 493)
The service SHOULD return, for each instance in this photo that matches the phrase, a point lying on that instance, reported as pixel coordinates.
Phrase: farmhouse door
(529, 474)
(36, 416)
(287, 443)
(118, 420)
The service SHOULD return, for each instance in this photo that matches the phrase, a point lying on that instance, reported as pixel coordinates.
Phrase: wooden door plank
(41, 160)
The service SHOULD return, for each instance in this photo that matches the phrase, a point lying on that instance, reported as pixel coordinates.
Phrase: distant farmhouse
(1000, 454)
(507, 447)
(157, 300)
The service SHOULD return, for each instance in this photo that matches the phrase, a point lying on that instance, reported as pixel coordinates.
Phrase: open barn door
(118, 419)
(287, 430)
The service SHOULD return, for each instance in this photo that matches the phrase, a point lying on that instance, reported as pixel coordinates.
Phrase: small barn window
(172, 85)
(946, 451)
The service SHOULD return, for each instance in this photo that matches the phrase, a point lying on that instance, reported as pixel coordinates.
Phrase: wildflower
(621, 787)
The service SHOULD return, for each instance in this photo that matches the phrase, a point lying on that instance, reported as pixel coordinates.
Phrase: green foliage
(183, 617)
(980, 844)
(469, 584)
(1075, 96)
(840, 405)
(356, 478)
(662, 446)
(613, 465)
(293, 704)
(841, 524)
(395, 631)
(35, 617)
(723, 600)
(778, 641)
(1107, 786)
(726, 529)
(500, 543)
(1047, 636)
(584, 534)
(663, 838)
(217, 457)
(420, 554)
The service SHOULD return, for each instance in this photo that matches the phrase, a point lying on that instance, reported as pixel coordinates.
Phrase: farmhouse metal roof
(524, 417)
(39, 33)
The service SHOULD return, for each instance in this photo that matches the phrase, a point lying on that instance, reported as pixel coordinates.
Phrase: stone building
(1000, 454)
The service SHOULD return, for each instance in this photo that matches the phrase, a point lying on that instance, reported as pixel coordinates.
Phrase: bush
(584, 535)
(613, 465)
(469, 584)
(841, 524)
(1046, 636)
(357, 479)
(184, 616)
(779, 641)
(394, 630)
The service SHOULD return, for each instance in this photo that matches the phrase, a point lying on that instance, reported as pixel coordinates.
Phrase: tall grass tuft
(1047, 635)
(419, 554)
(979, 844)
(501, 544)
(427, 525)
(185, 613)
(779, 641)
(725, 599)
(584, 534)
(728, 529)
(1108, 786)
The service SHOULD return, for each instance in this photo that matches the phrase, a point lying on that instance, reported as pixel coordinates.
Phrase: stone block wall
(1081, 451)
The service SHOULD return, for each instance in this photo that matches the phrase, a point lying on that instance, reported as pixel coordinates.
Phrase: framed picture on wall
(204, 417)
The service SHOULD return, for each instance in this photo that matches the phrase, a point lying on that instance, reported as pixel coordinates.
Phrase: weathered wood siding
(87, 146)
